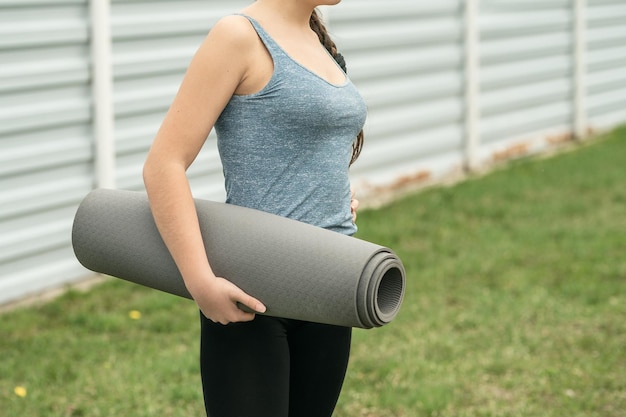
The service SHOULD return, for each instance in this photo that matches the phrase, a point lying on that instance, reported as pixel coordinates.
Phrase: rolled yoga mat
(297, 270)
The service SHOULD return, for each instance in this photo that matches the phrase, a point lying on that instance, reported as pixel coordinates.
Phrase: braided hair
(318, 27)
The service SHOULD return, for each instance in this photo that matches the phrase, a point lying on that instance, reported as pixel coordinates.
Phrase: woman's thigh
(319, 359)
(272, 367)
(245, 368)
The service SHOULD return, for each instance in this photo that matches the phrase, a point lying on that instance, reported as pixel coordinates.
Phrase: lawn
(515, 306)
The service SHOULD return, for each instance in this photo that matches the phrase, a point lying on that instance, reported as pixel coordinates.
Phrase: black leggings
(272, 367)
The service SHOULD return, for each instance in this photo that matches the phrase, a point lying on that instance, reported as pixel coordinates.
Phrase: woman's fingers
(354, 204)
(250, 304)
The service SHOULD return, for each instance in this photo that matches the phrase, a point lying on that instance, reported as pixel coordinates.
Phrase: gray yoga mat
(297, 270)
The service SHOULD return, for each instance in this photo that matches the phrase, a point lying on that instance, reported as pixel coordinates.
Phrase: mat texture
(297, 270)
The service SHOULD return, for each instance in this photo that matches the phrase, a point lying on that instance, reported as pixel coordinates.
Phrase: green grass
(515, 306)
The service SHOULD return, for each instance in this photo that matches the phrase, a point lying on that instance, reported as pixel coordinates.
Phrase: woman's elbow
(151, 170)
(161, 170)
(147, 171)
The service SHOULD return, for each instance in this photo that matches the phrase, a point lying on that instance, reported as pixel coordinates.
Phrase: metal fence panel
(45, 140)
(606, 44)
(527, 74)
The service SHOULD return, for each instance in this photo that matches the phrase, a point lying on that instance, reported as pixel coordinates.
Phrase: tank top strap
(274, 49)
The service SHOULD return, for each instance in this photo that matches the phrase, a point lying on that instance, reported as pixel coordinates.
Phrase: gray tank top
(286, 149)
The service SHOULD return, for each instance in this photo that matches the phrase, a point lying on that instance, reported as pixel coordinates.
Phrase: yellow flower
(134, 314)
(20, 391)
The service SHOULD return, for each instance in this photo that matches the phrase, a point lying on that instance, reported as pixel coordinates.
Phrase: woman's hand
(217, 298)
(354, 204)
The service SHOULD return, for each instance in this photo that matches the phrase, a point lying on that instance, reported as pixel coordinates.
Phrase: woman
(286, 117)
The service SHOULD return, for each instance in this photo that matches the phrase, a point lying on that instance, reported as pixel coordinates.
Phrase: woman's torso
(286, 148)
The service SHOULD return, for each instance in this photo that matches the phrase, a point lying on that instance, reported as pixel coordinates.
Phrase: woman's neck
(295, 13)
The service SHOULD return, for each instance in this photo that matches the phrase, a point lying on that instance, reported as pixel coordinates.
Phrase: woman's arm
(217, 70)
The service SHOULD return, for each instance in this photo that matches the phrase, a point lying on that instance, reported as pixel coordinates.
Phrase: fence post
(102, 92)
(472, 84)
(580, 69)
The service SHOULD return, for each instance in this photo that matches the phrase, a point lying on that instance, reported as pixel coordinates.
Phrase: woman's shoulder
(234, 30)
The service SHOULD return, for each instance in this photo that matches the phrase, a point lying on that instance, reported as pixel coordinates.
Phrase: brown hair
(319, 28)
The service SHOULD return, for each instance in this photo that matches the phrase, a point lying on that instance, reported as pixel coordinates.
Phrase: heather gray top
(286, 149)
